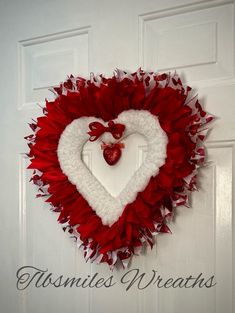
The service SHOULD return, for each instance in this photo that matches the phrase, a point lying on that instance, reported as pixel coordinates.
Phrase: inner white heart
(70, 147)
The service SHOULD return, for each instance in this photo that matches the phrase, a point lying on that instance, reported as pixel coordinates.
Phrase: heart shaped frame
(71, 143)
(175, 130)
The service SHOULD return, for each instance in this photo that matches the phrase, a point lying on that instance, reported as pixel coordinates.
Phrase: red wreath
(180, 116)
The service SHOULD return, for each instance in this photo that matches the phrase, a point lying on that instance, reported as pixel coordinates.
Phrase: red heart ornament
(112, 154)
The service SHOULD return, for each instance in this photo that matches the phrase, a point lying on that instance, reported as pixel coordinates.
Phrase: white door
(42, 42)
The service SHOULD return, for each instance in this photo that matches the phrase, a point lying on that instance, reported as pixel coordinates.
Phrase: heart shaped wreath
(157, 106)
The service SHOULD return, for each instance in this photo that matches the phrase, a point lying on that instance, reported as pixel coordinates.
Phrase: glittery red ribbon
(97, 129)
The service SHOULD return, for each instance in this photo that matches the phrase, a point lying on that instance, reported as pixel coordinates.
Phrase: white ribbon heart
(71, 143)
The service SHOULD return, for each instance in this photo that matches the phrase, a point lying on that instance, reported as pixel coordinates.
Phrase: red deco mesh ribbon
(97, 129)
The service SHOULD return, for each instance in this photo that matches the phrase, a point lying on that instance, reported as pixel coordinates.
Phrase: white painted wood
(166, 41)
(45, 61)
(43, 41)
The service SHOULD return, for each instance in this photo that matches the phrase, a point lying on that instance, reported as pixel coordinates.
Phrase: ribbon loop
(97, 129)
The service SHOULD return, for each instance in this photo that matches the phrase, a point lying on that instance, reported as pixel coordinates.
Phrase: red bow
(97, 129)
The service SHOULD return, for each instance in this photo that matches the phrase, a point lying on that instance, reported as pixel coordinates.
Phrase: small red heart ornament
(112, 154)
